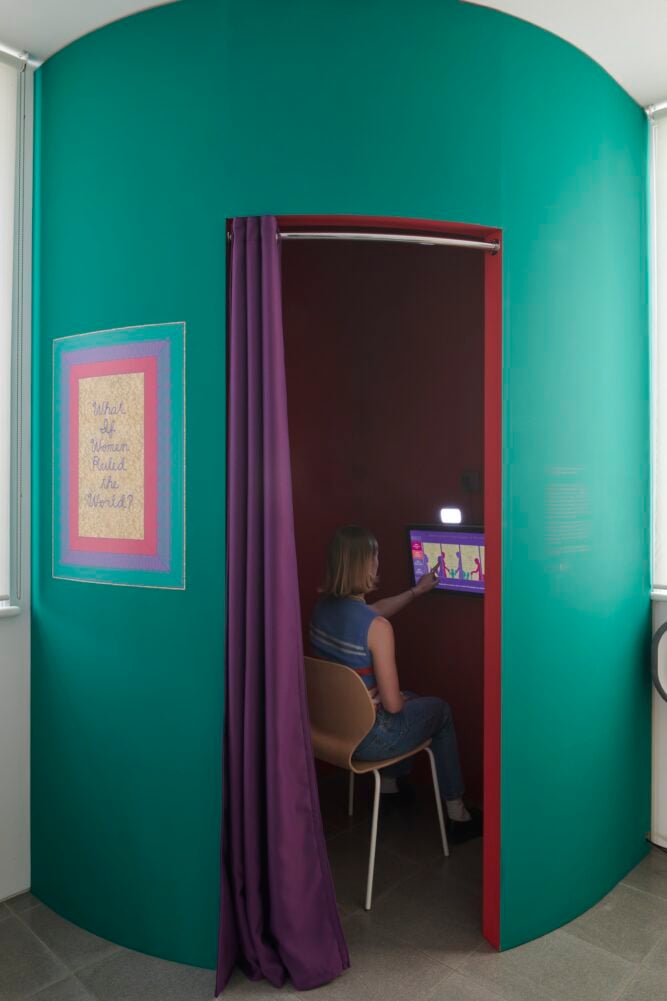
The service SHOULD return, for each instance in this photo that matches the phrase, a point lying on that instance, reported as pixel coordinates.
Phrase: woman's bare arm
(389, 606)
(382, 647)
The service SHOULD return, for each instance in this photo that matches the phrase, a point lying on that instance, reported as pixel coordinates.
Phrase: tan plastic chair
(341, 714)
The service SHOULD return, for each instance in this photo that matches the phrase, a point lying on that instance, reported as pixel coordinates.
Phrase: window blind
(8, 115)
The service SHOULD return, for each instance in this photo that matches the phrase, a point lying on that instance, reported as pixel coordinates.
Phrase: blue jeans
(397, 733)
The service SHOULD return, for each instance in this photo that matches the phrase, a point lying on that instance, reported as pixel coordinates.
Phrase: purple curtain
(278, 915)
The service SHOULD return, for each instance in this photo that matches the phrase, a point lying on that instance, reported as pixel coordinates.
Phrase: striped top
(339, 632)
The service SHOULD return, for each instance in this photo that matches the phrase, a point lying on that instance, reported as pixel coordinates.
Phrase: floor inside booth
(421, 898)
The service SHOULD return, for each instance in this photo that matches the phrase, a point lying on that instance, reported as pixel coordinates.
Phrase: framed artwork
(119, 456)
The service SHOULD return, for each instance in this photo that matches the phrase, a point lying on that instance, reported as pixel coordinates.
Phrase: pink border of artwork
(148, 545)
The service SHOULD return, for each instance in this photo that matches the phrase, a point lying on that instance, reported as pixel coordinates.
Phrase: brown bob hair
(348, 563)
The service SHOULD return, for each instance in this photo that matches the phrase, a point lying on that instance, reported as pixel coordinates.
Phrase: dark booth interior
(384, 349)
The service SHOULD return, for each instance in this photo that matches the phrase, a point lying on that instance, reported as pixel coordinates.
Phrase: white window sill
(659, 595)
(7, 610)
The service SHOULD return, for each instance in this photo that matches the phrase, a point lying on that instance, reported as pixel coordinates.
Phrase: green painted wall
(152, 132)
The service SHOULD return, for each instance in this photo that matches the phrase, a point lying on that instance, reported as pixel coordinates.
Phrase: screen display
(457, 554)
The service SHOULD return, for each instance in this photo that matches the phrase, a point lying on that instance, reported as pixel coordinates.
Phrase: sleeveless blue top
(339, 632)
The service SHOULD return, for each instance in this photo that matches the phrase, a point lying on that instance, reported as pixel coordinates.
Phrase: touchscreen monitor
(456, 553)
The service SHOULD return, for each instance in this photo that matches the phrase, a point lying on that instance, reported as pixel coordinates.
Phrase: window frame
(20, 343)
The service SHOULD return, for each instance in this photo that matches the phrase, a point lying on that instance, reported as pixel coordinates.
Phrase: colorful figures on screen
(457, 559)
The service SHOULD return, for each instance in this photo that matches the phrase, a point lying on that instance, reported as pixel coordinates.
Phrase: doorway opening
(393, 362)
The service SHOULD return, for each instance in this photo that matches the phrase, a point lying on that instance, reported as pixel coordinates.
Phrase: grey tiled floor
(420, 942)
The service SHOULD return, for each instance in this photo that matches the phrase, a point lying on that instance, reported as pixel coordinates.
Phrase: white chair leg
(374, 837)
(438, 802)
(350, 796)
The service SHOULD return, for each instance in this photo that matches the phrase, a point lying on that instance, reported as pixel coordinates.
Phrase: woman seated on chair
(345, 629)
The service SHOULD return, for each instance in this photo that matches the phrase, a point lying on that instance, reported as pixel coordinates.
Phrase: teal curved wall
(154, 130)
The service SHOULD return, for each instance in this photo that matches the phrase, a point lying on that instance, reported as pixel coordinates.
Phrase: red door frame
(492, 514)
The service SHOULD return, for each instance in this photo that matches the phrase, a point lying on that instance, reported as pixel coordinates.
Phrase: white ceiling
(627, 37)
(41, 27)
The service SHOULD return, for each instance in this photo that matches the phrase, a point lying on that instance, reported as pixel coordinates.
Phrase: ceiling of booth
(41, 27)
(626, 37)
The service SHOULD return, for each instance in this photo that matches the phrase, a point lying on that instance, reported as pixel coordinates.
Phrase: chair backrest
(341, 710)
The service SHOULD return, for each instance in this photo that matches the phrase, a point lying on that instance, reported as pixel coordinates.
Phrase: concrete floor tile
(26, 965)
(627, 922)
(132, 976)
(348, 856)
(382, 968)
(650, 875)
(459, 988)
(657, 957)
(74, 946)
(432, 912)
(22, 902)
(70, 989)
(240, 988)
(557, 967)
(648, 985)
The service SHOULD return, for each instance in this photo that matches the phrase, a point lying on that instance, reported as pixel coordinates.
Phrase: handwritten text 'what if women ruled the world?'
(111, 456)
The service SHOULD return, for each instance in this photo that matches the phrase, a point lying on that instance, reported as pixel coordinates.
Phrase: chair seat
(361, 767)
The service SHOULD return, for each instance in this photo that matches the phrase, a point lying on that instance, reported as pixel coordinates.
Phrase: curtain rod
(20, 55)
(656, 109)
(427, 241)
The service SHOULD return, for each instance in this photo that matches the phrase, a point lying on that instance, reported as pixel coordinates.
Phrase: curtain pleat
(278, 914)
